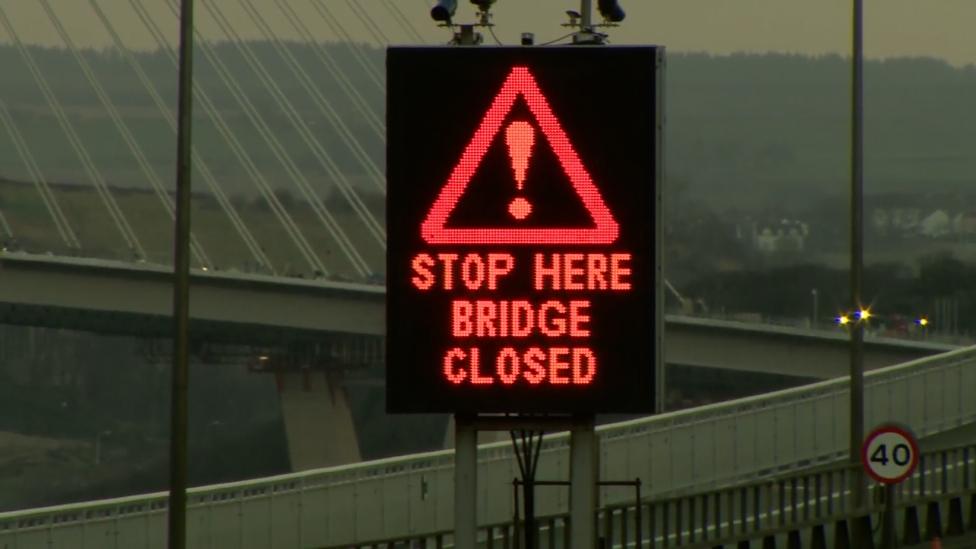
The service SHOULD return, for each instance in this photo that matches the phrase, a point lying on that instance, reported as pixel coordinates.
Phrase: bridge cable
(367, 20)
(37, 178)
(330, 223)
(325, 106)
(239, 226)
(157, 185)
(405, 22)
(264, 188)
(325, 216)
(374, 120)
(5, 225)
(101, 187)
(355, 48)
(280, 213)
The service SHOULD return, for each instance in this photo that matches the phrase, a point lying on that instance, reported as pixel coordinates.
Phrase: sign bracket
(584, 460)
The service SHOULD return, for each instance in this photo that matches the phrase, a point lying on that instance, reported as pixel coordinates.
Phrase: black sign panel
(521, 220)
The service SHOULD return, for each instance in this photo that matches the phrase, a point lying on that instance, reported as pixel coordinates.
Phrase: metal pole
(181, 289)
(638, 519)
(531, 450)
(465, 482)
(582, 488)
(516, 520)
(586, 15)
(888, 534)
(660, 367)
(857, 253)
(530, 528)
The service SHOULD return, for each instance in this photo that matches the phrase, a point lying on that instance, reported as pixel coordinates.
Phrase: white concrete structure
(318, 421)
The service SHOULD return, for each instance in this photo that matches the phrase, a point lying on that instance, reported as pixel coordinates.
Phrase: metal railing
(675, 454)
(773, 507)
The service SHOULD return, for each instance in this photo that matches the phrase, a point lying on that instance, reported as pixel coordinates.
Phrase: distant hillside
(35, 119)
(742, 130)
(757, 128)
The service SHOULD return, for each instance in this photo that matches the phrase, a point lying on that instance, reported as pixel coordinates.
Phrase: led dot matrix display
(522, 207)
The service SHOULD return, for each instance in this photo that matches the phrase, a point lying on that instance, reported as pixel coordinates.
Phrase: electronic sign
(522, 222)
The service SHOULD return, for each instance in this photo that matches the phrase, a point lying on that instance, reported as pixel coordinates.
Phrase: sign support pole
(582, 478)
(465, 482)
(527, 455)
(889, 455)
(888, 535)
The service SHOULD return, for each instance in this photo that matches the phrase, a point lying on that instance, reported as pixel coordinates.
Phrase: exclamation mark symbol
(520, 137)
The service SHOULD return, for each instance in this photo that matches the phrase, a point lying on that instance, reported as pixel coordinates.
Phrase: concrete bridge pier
(318, 421)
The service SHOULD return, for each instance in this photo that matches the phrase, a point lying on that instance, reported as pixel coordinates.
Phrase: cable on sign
(554, 40)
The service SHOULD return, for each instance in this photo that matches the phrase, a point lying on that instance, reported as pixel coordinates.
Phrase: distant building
(934, 216)
(935, 225)
(781, 236)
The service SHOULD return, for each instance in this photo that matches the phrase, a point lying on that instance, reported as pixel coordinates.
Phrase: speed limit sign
(890, 454)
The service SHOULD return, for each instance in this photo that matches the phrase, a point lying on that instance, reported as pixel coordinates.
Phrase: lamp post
(181, 290)
(857, 252)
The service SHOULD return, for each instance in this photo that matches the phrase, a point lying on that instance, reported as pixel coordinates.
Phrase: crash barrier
(806, 510)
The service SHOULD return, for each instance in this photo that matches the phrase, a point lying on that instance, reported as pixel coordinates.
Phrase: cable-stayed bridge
(289, 135)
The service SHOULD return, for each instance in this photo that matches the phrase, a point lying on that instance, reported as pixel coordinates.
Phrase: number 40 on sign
(890, 454)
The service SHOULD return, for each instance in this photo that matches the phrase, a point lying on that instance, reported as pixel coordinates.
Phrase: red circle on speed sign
(890, 454)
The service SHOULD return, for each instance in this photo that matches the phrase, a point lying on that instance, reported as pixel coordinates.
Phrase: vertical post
(530, 526)
(465, 482)
(586, 15)
(531, 466)
(638, 519)
(582, 487)
(660, 368)
(857, 254)
(181, 289)
(888, 534)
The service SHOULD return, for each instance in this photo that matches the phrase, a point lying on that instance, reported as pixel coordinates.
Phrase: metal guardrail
(815, 501)
(675, 454)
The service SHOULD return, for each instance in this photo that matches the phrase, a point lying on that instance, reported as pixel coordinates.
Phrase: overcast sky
(936, 28)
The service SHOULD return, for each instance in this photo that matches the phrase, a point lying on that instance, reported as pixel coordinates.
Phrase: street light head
(864, 314)
(843, 320)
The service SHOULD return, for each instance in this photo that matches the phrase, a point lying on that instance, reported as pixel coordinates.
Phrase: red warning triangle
(519, 82)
